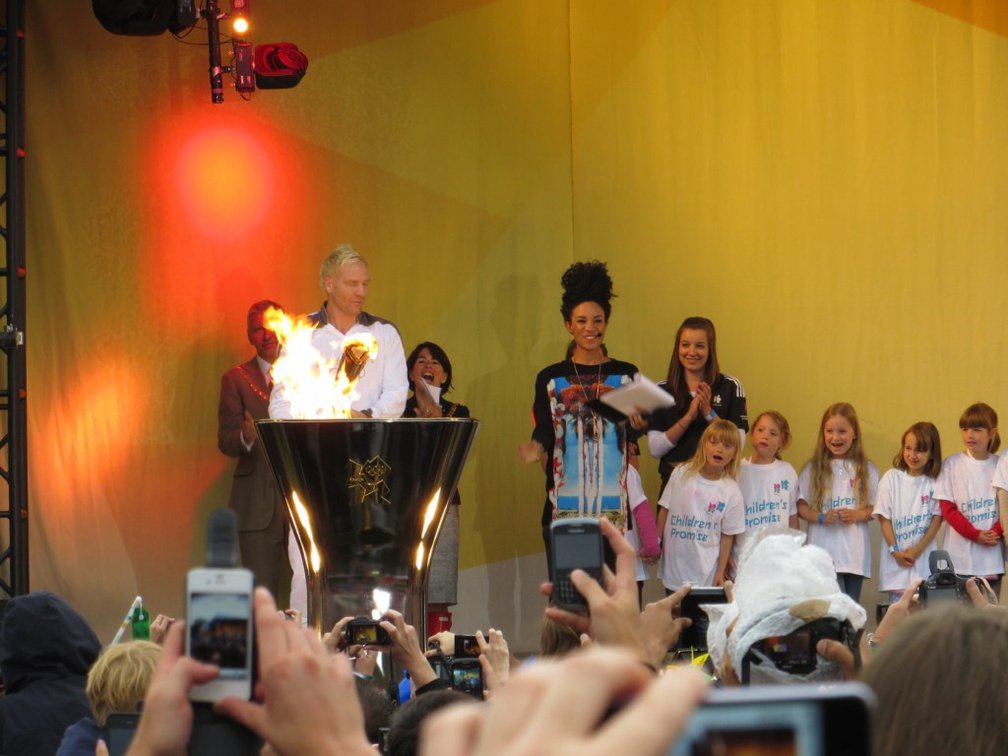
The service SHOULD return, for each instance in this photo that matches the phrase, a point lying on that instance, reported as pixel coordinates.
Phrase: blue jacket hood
(44, 638)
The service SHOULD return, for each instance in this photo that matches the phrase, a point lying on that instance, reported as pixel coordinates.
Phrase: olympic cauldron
(365, 499)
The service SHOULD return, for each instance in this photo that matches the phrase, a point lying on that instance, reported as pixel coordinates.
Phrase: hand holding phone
(576, 544)
(219, 630)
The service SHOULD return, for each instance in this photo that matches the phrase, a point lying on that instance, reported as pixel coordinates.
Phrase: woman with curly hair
(585, 456)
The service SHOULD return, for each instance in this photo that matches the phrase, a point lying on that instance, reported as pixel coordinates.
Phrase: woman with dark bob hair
(585, 456)
(430, 376)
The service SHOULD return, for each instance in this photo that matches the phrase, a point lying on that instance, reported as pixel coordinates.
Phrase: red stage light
(279, 65)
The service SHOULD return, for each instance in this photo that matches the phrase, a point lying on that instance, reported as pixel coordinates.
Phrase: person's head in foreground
(119, 678)
(940, 682)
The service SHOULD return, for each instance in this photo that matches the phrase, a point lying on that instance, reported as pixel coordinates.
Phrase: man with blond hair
(383, 385)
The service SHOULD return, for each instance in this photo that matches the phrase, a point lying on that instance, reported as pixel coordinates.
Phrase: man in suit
(255, 497)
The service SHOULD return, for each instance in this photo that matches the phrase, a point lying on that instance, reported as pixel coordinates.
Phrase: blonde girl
(836, 490)
(769, 485)
(973, 541)
(701, 511)
(908, 509)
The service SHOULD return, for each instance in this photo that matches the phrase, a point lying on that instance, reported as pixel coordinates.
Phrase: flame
(318, 387)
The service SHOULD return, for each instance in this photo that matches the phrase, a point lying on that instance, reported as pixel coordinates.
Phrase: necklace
(584, 390)
(251, 384)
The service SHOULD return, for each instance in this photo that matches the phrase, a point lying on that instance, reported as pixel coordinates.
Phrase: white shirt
(770, 493)
(699, 511)
(635, 496)
(971, 487)
(848, 544)
(909, 503)
(383, 385)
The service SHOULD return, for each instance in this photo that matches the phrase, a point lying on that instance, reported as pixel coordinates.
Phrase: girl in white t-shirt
(908, 508)
(836, 490)
(973, 540)
(701, 511)
(769, 485)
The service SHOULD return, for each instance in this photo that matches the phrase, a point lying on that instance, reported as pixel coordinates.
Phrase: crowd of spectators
(604, 681)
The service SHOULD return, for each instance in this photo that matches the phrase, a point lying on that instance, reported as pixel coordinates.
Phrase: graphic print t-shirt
(586, 454)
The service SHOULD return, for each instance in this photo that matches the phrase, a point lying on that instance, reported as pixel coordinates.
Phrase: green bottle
(140, 623)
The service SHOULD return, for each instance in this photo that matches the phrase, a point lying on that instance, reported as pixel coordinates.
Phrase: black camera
(362, 631)
(695, 636)
(795, 653)
(462, 672)
(943, 586)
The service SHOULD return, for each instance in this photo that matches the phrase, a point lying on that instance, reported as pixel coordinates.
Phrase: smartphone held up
(220, 630)
(576, 545)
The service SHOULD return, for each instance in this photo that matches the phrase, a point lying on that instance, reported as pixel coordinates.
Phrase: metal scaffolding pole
(13, 409)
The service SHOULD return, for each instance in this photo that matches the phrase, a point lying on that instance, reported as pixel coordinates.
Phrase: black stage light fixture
(279, 65)
(145, 18)
(187, 14)
(140, 18)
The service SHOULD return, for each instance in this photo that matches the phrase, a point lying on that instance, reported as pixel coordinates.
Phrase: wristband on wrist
(892, 549)
(822, 518)
(711, 416)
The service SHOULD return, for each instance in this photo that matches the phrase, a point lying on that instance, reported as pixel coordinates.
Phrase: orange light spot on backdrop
(88, 432)
(228, 198)
(223, 182)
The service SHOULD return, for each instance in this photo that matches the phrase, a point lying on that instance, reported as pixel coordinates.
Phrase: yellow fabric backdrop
(825, 180)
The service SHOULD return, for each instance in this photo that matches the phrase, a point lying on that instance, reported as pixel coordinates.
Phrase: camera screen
(364, 634)
(789, 651)
(754, 729)
(466, 645)
(468, 678)
(577, 550)
(219, 631)
(945, 594)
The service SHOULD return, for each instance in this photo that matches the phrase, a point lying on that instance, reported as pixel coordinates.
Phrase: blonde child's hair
(119, 678)
(725, 432)
(557, 640)
(982, 415)
(928, 440)
(822, 473)
(782, 425)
